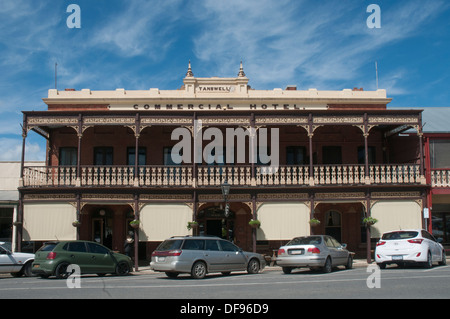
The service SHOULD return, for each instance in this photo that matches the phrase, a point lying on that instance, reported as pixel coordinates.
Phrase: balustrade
(237, 175)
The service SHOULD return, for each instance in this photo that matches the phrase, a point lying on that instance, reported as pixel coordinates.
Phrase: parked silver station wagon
(199, 255)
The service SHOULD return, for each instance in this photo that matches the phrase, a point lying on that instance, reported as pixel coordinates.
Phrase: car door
(341, 252)
(433, 245)
(233, 258)
(101, 258)
(78, 255)
(6, 262)
(213, 255)
(334, 251)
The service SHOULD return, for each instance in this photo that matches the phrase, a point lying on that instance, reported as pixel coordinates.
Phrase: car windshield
(170, 244)
(47, 247)
(7, 246)
(310, 240)
(400, 235)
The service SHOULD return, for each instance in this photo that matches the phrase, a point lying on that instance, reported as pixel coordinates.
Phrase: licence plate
(397, 257)
(160, 259)
(296, 251)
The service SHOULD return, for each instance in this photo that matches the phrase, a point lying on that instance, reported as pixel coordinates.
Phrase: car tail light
(314, 250)
(51, 255)
(381, 243)
(415, 241)
(281, 251)
(166, 253)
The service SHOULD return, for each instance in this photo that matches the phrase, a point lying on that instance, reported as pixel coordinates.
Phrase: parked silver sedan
(199, 255)
(319, 251)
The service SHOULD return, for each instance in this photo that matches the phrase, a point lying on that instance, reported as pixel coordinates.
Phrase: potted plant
(254, 223)
(191, 225)
(314, 222)
(369, 221)
(134, 223)
(76, 223)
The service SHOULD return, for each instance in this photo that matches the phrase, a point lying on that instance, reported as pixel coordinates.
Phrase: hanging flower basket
(192, 225)
(76, 223)
(134, 223)
(370, 221)
(314, 222)
(254, 223)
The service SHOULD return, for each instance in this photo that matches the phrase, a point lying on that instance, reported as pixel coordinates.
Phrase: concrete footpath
(357, 263)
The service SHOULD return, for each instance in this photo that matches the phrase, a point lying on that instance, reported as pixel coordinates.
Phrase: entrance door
(333, 224)
(102, 231)
(214, 227)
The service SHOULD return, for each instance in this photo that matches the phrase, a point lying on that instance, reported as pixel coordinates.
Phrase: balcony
(440, 178)
(236, 175)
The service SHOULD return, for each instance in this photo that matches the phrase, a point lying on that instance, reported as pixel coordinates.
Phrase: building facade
(437, 163)
(160, 157)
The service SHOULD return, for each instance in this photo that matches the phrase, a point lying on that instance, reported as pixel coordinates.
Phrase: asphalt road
(391, 283)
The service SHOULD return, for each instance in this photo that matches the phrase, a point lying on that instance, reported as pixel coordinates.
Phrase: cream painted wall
(283, 221)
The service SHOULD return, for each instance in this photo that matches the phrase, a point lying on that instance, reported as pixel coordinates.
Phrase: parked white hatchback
(416, 246)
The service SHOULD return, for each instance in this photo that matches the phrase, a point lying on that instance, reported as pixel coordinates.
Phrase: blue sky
(139, 44)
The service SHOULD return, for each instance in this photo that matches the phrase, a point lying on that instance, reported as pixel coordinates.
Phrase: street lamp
(225, 192)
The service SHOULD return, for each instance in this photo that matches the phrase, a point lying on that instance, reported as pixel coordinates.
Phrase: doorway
(212, 221)
(333, 224)
(102, 228)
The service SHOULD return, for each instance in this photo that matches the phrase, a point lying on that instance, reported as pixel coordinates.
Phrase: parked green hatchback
(53, 258)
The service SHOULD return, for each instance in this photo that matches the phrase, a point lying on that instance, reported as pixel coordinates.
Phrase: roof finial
(189, 72)
(241, 71)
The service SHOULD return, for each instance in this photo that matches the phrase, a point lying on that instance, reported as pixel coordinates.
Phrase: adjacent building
(291, 156)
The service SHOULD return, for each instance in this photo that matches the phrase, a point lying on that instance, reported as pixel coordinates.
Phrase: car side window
(427, 235)
(211, 245)
(194, 244)
(97, 249)
(328, 242)
(227, 246)
(77, 247)
(335, 242)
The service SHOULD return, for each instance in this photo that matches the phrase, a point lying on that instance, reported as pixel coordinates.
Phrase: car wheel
(429, 262)
(327, 267)
(61, 270)
(122, 268)
(26, 270)
(171, 274)
(198, 270)
(349, 264)
(287, 270)
(253, 266)
(443, 261)
(382, 266)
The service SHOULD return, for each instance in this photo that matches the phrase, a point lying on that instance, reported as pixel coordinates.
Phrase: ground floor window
(441, 226)
(6, 218)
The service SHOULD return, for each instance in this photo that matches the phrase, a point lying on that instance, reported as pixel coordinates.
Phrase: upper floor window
(362, 155)
(295, 155)
(440, 153)
(131, 156)
(103, 156)
(68, 156)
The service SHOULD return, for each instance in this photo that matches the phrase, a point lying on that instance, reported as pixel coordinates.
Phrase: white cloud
(319, 43)
(12, 150)
(141, 28)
